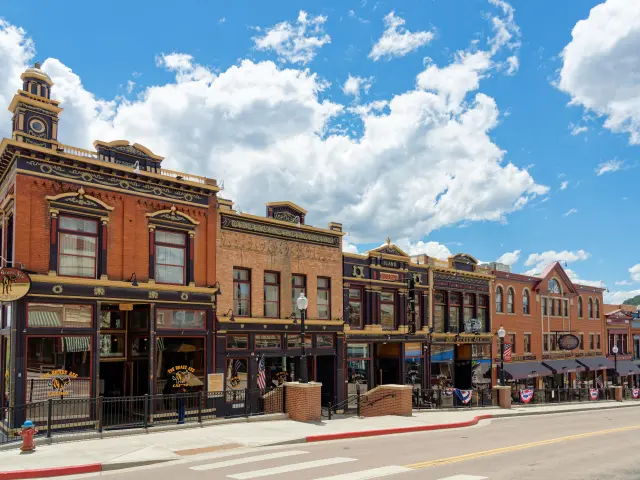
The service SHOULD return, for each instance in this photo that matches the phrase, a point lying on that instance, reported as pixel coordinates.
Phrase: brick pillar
(618, 391)
(504, 396)
(303, 401)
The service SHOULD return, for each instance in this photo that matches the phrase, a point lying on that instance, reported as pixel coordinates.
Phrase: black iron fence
(562, 395)
(438, 398)
(57, 416)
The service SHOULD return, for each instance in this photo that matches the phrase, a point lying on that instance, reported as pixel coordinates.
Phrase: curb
(76, 469)
(393, 431)
(568, 410)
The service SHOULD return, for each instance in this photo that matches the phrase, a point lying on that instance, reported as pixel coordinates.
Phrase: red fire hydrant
(27, 433)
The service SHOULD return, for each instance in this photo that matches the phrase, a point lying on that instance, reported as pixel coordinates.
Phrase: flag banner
(508, 351)
(593, 393)
(526, 395)
(262, 381)
(635, 392)
(463, 395)
(599, 382)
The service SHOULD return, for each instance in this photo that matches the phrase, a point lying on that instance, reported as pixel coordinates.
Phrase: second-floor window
(298, 286)
(499, 304)
(525, 302)
(597, 313)
(439, 305)
(580, 307)
(511, 338)
(527, 343)
(387, 310)
(355, 307)
(544, 306)
(241, 292)
(271, 294)
(171, 253)
(324, 298)
(78, 247)
(510, 305)
(565, 305)
(590, 308)
(592, 344)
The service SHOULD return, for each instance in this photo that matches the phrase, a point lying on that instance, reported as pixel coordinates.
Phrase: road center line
(512, 448)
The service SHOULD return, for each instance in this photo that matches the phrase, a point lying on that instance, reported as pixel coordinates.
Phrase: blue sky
(441, 153)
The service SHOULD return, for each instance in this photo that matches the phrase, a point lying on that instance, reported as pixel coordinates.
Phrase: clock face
(37, 126)
(554, 286)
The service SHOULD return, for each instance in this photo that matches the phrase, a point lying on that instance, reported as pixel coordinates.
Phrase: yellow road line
(523, 446)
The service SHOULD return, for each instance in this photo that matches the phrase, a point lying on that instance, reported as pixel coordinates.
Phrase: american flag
(262, 381)
(599, 382)
(237, 365)
(507, 352)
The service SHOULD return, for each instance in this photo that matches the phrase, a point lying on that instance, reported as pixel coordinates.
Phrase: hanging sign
(526, 395)
(15, 284)
(59, 381)
(568, 342)
(181, 375)
(635, 392)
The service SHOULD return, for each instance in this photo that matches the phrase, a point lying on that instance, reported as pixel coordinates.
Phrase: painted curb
(393, 431)
(52, 472)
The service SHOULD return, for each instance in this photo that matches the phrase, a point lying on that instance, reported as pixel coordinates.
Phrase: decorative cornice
(253, 226)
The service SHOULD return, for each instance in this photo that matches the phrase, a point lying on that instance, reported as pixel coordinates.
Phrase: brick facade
(303, 401)
(387, 400)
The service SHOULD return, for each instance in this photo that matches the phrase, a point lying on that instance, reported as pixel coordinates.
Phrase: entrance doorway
(387, 363)
(325, 375)
(463, 373)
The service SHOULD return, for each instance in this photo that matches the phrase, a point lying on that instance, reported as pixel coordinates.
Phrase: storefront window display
(180, 364)
(441, 366)
(295, 341)
(58, 367)
(358, 364)
(237, 342)
(481, 366)
(413, 359)
(180, 319)
(56, 315)
(324, 341)
(268, 341)
(237, 377)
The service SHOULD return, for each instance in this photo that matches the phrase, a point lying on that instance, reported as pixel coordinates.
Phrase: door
(325, 375)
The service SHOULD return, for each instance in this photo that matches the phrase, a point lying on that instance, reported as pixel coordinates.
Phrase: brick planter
(303, 401)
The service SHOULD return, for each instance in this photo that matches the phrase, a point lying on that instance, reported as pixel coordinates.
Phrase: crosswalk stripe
(242, 461)
(465, 477)
(294, 467)
(367, 474)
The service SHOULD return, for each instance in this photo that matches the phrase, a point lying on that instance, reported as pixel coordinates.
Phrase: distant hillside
(633, 301)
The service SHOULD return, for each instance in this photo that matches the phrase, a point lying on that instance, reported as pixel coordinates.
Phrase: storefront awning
(564, 366)
(76, 344)
(520, 370)
(595, 363)
(43, 319)
(627, 367)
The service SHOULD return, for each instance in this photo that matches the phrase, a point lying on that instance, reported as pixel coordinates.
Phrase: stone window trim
(79, 205)
(172, 220)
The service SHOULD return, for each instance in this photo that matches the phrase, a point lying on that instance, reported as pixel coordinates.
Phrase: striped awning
(76, 344)
(44, 319)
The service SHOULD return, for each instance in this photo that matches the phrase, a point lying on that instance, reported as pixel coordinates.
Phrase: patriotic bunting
(593, 393)
(526, 395)
(635, 392)
(463, 395)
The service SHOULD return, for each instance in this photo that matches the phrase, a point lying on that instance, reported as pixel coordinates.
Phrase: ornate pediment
(286, 212)
(131, 150)
(79, 202)
(172, 218)
(122, 152)
(389, 249)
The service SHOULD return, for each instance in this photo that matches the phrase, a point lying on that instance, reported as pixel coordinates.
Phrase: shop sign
(390, 277)
(59, 381)
(472, 325)
(15, 284)
(180, 375)
(215, 382)
(125, 307)
(568, 342)
(463, 339)
(389, 263)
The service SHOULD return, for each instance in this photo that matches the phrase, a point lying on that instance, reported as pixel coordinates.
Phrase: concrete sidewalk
(135, 450)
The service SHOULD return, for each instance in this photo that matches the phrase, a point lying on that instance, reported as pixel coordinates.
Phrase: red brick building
(618, 323)
(119, 251)
(536, 312)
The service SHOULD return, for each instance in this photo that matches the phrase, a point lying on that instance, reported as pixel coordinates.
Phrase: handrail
(183, 176)
(80, 152)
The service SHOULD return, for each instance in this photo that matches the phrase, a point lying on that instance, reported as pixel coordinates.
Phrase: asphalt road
(600, 445)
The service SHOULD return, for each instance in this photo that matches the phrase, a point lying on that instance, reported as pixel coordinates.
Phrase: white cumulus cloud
(432, 249)
(396, 40)
(600, 65)
(266, 131)
(295, 42)
(635, 272)
(618, 297)
(509, 258)
(354, 85)
(539, 261)
(609, 166)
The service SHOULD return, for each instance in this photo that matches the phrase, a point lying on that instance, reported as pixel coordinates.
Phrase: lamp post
(501, 334)
(303, 302)
(615, 365)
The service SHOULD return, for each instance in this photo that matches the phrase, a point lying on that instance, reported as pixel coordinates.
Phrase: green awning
(76, 344)
(44, 319)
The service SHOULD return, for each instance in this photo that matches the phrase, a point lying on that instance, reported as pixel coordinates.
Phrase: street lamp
(615, 365)
(303, 302)
(501, 334)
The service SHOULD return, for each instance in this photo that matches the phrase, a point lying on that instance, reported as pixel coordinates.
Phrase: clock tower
(35, 115)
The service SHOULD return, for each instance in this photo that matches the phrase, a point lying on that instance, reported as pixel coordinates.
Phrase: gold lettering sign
(463, 339)
(15, 284)
(59, 381)
(125, 307)
(390, 277)
(183, 376)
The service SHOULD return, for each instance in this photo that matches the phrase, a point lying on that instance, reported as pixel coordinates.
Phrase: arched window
(580, 307)
(499, 304)
(590, 308)
(525, 302)
(510, 295)
(597, 308)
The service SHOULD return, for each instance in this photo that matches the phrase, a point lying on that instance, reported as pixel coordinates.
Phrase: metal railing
(563, 395)
(438, 398)
(77, 415)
